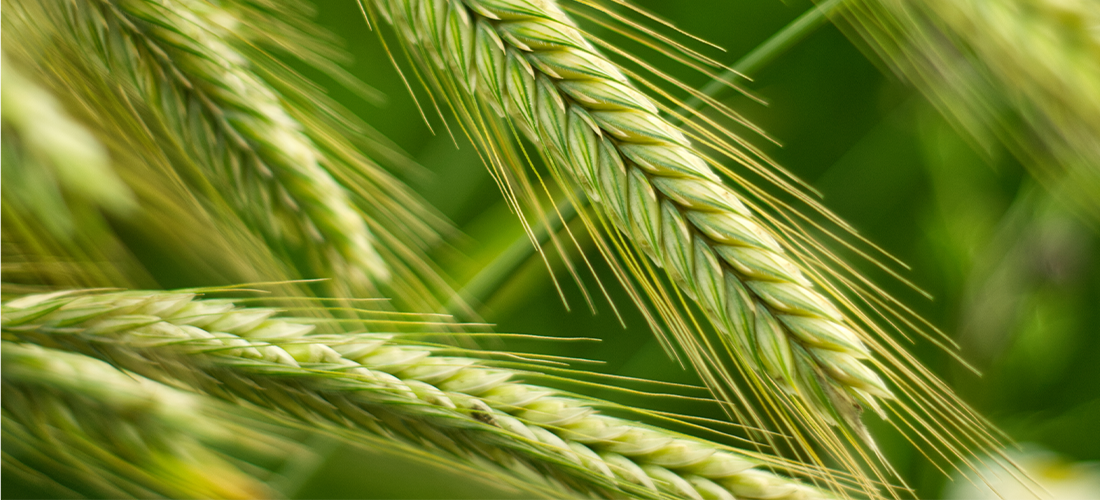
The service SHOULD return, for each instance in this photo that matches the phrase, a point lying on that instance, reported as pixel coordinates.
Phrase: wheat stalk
(178, 57)
(54, 157)
(528, 59)
(372, 382)
(91, 428)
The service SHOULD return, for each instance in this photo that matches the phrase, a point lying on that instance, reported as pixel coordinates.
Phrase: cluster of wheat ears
(140, 135)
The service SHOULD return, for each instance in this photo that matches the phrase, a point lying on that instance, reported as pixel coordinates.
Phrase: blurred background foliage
(1013, 274)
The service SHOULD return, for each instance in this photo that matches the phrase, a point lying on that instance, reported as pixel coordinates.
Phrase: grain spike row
(529, 61)
(180, 58)
(373, 383)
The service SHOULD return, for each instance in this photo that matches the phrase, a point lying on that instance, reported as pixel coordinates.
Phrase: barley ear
(236, 128)
(209, 125)
(655, 187)
(407, 393)
(805, 358)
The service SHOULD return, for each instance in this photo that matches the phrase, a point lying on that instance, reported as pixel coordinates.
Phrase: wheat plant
(208, 258)
(654, 186)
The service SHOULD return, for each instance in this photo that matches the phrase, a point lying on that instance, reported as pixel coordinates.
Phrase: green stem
(506, 262)
(768, 51)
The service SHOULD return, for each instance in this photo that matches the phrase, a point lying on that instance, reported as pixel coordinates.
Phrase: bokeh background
(1013, 275)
